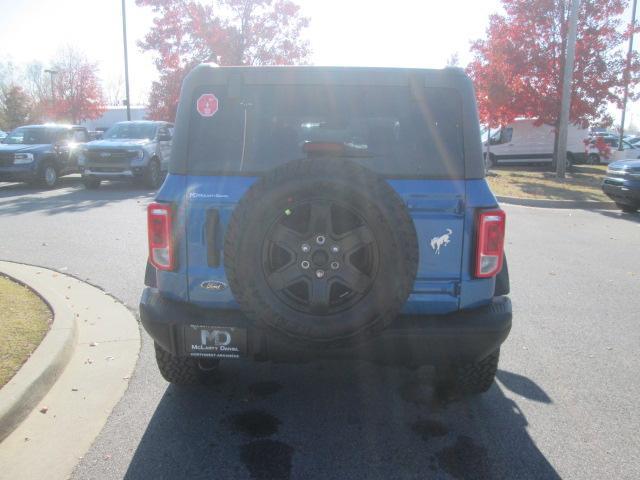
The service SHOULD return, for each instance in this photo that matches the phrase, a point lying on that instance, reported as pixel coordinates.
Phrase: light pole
(565, 102)
(52, 72)
(626, 73)
(126, 58)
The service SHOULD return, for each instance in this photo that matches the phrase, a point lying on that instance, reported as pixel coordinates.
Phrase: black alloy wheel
(320, 257)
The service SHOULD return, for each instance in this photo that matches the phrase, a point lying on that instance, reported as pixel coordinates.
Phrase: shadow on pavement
(69, 196)
(328, 420)
(619, 214)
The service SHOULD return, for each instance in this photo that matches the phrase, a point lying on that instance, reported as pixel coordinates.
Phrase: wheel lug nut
(320, 239)
(335, 265)
(305, 264)
(306, 248)
(319, 273)
(335, 249)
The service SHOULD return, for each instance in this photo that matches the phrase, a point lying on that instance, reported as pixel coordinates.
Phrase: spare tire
(322, 250)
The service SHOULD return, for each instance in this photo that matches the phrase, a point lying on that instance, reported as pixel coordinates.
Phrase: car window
(164, 131)
(31, 136)
(131, 131)
(392, 130)
(506, 135)
(79, 136)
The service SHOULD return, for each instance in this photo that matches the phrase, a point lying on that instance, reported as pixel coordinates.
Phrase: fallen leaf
(44, 409)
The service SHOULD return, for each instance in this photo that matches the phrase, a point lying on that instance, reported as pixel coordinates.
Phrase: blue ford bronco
(315, 212)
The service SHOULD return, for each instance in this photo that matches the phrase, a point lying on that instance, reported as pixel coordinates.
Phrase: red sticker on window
(207, 105)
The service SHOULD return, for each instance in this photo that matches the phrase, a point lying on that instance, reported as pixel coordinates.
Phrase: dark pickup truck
(41, 154)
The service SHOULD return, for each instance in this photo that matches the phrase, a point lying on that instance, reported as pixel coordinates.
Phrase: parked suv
(622, 184)
(316, 212)
(138, 151)
(40, 154)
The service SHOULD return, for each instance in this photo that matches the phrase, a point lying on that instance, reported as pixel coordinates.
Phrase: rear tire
(472, 378)
(304, 200)
(593, 159)
(91, 183)
(569, 163)
(153, 175)
(627, 208)
(178, 370)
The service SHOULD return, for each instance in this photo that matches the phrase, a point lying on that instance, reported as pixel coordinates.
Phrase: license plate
(215, 342)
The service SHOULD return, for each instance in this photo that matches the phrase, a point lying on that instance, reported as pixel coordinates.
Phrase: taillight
(490, 243)
(159, 219)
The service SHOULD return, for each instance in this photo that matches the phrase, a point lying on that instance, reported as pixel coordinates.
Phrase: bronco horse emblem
(442, 241)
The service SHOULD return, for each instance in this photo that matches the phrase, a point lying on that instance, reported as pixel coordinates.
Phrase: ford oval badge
(214, 285)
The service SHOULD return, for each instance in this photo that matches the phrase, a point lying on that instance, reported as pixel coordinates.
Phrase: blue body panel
(443, 212)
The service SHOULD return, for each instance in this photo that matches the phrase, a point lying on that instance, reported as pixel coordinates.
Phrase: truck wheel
(569, 163)
(153, 175)
(627, 208)
(322, 251)
(178, 370)
(91, 183)
(489, 161)
(594, 159)
(473, 378)
(48, 176)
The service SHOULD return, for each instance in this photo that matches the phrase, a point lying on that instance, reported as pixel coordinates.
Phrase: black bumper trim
(460, 337)
(622, 193)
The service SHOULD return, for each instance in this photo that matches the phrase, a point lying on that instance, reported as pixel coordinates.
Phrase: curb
(105, 347)
(36, 376)
(576, 204)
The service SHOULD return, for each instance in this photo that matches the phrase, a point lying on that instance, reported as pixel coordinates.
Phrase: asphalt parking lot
(565, 403)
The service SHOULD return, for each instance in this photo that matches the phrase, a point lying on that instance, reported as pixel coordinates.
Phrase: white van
(524, 142)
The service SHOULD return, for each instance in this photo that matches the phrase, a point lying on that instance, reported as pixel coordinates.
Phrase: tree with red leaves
(228, 32)
(517, 70)
(77, 93)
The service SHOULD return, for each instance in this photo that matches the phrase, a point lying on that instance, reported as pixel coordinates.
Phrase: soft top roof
(210, 73)
(236, 77)
(151, 122)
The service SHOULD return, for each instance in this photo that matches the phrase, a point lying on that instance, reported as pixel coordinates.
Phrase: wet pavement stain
(429, 428)
(465, 460)
(256, 423)
(264, 389)
(267, 459)
(434, 396)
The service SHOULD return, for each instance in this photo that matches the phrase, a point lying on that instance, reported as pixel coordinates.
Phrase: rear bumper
(462, 337)
(622, 191)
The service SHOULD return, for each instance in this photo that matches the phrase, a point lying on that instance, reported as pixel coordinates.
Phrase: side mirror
(164, 137)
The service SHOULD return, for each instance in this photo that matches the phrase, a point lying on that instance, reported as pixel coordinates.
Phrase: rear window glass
(395, 131)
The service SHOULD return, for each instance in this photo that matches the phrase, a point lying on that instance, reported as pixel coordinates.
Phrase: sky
(409, 33)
